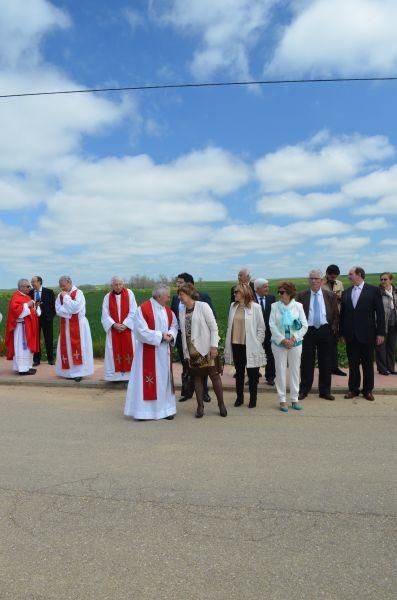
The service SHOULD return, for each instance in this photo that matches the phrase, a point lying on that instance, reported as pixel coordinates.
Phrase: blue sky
(278, 178)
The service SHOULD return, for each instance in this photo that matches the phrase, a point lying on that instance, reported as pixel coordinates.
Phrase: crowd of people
(290, 332)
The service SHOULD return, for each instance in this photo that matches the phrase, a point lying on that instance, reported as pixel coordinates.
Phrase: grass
(218, 290)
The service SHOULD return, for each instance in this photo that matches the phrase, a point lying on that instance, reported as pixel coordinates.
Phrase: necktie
(356, 291)
(36, 295)
(316, 312)
(262, 307)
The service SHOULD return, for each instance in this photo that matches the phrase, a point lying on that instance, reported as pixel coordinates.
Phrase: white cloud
(338, 37)
(22, 26)
(372, 224)
(292, 204)
(382, 182)
(134, 18)
(321, 161)
(389, 242)
(227, 30)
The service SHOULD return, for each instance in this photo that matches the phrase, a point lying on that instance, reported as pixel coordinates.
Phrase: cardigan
(204, 329)
(278, 333)
(255, 331)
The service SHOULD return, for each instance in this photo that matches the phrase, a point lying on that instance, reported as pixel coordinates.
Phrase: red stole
(121, 340)
(75, 340)
(149, 353)
(31, 324)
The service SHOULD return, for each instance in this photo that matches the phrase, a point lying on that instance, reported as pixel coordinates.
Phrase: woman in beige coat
(200, 339)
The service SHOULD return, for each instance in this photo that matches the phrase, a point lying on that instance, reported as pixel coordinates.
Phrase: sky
(280, 179)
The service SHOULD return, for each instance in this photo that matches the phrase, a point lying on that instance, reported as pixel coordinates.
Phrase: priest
(22, 329)
(74, 351)
(118, 310)
(150, 393)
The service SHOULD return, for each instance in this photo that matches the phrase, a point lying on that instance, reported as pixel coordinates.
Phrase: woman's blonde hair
(246, 292)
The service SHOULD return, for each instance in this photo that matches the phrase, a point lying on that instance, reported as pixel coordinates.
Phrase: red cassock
(31, 324)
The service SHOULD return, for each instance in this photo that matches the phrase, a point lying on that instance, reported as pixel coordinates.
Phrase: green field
(218, 290)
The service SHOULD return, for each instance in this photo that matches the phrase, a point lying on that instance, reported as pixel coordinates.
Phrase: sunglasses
(384, 279)
(281, 292)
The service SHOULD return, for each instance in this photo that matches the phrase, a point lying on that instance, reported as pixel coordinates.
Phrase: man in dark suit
(321, 310)
(46, 298)
(362, 324)
(187, 381)
(244, 276)
(265, 300)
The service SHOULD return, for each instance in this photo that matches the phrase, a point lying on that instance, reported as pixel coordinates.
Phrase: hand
(31, 303)
(63, 294)
(167, 337)
(379, 340)
(286, 343)
(123, 327)
(213, 352)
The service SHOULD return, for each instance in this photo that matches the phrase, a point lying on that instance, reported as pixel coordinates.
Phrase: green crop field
(218, 290)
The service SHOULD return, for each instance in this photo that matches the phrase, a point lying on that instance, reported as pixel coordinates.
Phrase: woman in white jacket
(244, 342)
(288, 325)
(200, 339)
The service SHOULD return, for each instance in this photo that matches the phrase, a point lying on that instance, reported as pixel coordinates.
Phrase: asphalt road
(260, 505)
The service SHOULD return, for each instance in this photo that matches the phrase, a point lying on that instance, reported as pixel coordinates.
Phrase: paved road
(260, 505)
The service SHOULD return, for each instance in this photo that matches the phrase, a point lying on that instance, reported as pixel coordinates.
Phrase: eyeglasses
(384, 279)
(281, 292)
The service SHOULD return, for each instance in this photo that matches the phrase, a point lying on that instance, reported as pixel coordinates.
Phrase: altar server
(118, 310)
(74, 351)
(150, 393)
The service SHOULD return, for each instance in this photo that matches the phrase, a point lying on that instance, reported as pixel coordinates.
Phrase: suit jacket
(268, 306)
(251, 284)
(367, 320)
(331, 307)
(203, 297)
(47, 305)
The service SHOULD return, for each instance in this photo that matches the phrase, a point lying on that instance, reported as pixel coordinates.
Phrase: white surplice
(23, 357)
(110, 373)
(164, 405)
(66, 310)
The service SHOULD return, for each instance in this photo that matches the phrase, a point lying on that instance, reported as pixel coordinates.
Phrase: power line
(169, 86)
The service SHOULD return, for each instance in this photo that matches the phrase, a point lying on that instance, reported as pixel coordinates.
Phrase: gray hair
(259, 282)
(316, 273)
(116, 278)
(160, 290)
(65, 279)
(245, 270)
(22, 282)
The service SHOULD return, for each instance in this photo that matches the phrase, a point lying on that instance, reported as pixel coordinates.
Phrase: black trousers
(386, 352)
(319, 340)
(270, 369)
(360, 354)
(45, 326)
(240, 362)
(335, 357)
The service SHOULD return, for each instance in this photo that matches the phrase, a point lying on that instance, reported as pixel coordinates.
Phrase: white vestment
(164, 405)
(23, 357)
(66, 310)
(110, 373)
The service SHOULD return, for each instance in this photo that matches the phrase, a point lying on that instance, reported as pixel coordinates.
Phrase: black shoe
(327, 396)
(238, 402)
(78, 379)
(302, 396)
(339, 372)
(252, 404)
(184, 398)
(51, 362)
(383, 372)
(207, 398)
(36, 364)
(270, 381)
(169, 418)
(30, 372)
(392, 372)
